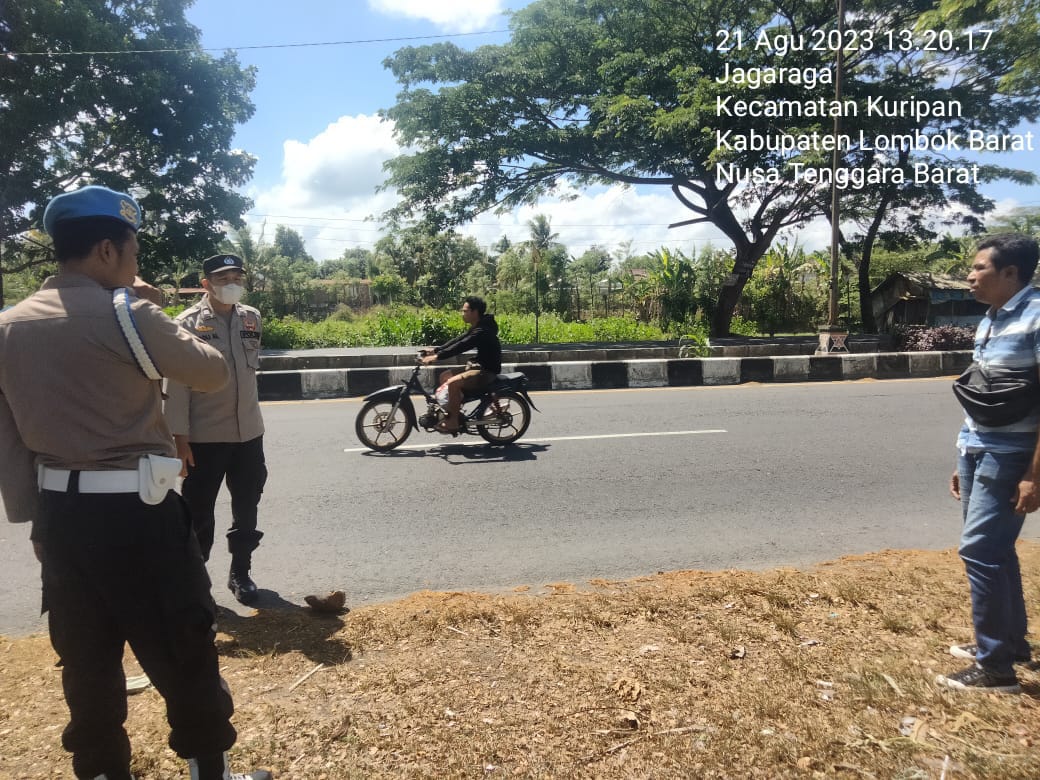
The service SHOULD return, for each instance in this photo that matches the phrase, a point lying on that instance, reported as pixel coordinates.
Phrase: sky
(320, 144)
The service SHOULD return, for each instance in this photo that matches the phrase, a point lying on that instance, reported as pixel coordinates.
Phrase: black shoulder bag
(998, 396)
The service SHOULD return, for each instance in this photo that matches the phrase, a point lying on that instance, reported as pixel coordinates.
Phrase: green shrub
(742, 327)
(624, 329)
(437, 326)
(343, 313)
(284, 333)
(520, 329)
(397, 326)
(331, 333)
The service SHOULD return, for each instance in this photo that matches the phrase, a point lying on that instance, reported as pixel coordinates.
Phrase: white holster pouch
(157, 475)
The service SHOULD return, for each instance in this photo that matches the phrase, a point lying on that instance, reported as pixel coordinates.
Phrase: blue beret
(92, 201)
(218, 263)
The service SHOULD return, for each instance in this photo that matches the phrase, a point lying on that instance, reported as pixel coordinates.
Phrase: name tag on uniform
(250, 334)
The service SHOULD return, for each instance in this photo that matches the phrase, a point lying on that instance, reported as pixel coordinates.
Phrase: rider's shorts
(475, 380)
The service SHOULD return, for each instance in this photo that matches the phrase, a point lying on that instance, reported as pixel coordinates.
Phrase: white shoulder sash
(125, 318)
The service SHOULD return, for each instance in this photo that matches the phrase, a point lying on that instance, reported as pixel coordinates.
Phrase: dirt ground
(821, 673)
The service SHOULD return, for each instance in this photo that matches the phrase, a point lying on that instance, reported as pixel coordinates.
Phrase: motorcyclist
(478, 373)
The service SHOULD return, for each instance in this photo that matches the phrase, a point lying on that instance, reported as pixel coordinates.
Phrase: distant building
(327, 294)
(187, 295)
(911, 298)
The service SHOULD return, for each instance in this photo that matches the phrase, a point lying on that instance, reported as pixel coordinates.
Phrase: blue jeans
(988, 483)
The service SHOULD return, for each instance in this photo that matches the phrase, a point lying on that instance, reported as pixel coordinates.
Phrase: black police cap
(218, 263)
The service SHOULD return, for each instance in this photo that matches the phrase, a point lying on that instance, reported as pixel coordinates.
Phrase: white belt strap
(57, 480)
(125, 318)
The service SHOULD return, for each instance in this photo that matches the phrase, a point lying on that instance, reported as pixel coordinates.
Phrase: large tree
(289, 243)
(120, 93)
(433, 263)
(593, 91)
(601, 91)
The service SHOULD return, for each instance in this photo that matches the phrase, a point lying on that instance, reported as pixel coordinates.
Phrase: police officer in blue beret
(89, 461)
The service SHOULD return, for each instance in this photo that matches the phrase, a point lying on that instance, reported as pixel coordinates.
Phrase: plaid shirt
(1007, 338)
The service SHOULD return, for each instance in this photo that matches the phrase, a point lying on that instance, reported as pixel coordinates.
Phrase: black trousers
(119, 571)
(243, 468)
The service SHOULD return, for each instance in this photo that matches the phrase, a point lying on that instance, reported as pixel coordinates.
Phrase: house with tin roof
(920, 298)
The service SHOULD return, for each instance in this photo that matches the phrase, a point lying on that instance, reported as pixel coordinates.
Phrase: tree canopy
(121, 94)
(626, 91)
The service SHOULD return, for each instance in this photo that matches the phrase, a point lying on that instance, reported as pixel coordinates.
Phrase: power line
(245, 48)
(495, 225)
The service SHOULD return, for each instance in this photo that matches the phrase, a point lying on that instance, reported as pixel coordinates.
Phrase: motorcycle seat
(507, 381)
(510, 381)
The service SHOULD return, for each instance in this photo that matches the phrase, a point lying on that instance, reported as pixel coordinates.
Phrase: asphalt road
(605, 484)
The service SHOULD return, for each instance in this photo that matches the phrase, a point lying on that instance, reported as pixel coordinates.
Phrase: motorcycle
(500, 414)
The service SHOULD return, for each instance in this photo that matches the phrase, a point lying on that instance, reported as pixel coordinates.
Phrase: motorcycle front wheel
(380, 427)
(506, 419)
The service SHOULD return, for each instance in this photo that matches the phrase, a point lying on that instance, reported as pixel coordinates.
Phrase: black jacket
(483, 337)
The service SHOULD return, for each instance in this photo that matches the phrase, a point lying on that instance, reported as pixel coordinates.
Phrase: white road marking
(540, 440)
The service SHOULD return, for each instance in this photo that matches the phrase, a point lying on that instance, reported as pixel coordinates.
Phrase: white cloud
(451, 15)
(342, 163)
(328, 188)
(328, 195)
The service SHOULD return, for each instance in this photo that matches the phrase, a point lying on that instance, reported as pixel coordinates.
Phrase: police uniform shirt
(71, 394)
(232, 414)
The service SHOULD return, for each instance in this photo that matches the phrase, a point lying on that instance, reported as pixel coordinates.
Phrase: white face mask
(227, 293)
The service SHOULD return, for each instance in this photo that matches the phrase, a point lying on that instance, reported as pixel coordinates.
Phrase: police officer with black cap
(220, 435)
(89, 460)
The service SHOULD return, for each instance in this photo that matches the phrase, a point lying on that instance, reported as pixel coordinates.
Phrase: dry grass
(821, 673)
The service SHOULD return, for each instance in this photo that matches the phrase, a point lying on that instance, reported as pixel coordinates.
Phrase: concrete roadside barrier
(313, 383)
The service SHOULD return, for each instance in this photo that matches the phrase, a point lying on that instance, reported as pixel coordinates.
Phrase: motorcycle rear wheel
(510, 415)
(377, 429)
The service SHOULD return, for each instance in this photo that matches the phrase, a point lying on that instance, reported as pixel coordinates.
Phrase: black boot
(239, 582)
(216, 768)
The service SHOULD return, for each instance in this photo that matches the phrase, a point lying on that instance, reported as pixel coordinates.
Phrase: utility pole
(537, 307)
(832, 335)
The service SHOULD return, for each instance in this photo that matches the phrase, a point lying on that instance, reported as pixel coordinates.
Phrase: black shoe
(975, 678)
(242, 587)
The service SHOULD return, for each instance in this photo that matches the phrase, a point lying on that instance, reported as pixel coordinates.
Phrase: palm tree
(541, 241)
(254, 255)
